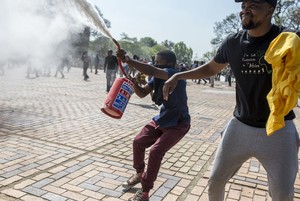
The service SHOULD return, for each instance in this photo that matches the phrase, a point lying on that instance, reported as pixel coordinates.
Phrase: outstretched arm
(143, 67)
(207, 70)
(141, 91)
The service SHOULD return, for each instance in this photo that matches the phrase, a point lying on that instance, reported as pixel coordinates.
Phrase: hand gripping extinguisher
(119, 94)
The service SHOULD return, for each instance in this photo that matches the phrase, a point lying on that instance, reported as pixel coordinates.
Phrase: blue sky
(190, 21)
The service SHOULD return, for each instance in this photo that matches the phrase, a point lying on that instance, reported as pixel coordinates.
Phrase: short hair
(168, 55)
(135, 57)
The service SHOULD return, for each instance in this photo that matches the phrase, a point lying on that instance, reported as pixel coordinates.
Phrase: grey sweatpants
(277, 153)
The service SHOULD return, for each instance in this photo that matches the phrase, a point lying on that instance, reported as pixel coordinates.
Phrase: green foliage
(287, 13)
(208, 55)
(157, 48)
(132, 45)
(96, 33)
(80, 42)
(148, 41)
(230, 24)
(168, 44)
(106, 21)
(145, 47)
(183, 53)
(101, 45)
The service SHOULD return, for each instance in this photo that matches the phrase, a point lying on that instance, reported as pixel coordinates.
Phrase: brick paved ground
(56, 144)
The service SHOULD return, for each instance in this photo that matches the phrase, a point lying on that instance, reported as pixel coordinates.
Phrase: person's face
(255, 13)
(159, 60)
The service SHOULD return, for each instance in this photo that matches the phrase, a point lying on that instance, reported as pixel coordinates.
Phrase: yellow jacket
(284, 55)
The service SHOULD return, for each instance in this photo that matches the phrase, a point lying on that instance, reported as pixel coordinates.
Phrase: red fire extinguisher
(119, 94)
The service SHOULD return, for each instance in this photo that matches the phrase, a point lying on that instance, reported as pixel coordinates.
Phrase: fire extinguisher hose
(119, 60)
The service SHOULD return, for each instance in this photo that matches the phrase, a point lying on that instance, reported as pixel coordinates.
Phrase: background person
(86, 59)
(111, 69)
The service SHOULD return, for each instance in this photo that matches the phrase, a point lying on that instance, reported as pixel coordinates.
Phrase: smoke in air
(38, 32)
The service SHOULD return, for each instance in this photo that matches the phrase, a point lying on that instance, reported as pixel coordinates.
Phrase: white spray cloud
(37, 31)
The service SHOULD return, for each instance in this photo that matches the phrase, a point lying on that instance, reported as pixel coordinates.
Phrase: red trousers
(161, 140)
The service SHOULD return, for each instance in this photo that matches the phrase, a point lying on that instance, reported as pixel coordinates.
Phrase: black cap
(271, 2)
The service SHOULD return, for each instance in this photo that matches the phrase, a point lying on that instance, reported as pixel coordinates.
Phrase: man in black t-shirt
(245, 135)
(111, 68)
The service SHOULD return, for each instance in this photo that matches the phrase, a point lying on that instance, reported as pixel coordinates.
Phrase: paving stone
(110, 192)
(54, 197)
(59, 175)
(56, 144)
(13, 192)
(155, 198)
(90, 187)
(42, 183)
(162, 191)
(170, 184)
(34, 191)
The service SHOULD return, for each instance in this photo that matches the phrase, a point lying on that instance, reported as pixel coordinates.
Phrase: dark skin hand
(201, 72)
(147, 69)
(143, 67)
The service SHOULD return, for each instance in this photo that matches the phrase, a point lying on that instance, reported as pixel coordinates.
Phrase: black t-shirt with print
(253, 74)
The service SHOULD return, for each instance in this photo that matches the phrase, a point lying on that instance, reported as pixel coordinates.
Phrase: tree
(96, 33)
(183, 53)
(106, 21)
(125, 37)
(80, 42)
(144, 48)
(168, 44)
(231, 24)
(287, 13)
(208, 55)
(155, 49)
(148, 41)
(131, 45)
(101, 45)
